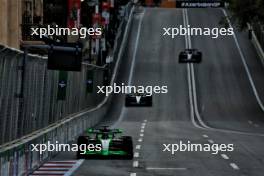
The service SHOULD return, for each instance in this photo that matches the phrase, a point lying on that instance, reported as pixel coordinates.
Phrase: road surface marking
(142, 131)
(234, 166)
(242, 57)
(133, 174)
(250, 122)
(191, 96)
(166, 168)
(140, 140)
(142, 127)
(224, 156)
(205, 136)
(121, 116)
(135, 164)
(210, 141)
(145, 120)
(141, 135)
(192, 93)
(65, 168)
(138, 147)
(256, 125)
(136, 154)
(144, 124)
(135, 50)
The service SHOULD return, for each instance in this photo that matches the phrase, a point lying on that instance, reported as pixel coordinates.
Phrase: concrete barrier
(257, 45)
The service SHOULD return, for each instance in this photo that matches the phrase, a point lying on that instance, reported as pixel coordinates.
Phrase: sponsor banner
(62, 85)
(74, 11)
(200, 4)
(89, 81)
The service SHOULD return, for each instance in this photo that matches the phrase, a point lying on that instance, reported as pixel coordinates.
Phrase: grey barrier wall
(258, 39)
(259, 32)
(17, 157)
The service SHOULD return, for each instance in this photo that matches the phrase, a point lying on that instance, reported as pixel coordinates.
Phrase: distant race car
(112, 147)
(138, 99)
(190, 56)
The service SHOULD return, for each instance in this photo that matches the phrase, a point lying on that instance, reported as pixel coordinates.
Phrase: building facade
(15, 18)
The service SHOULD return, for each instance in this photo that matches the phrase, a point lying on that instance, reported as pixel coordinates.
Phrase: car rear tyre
(128, 147)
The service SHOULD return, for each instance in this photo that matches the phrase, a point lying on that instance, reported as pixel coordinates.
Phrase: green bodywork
(105, 152)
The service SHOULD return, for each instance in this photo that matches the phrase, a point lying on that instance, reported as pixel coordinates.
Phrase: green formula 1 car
(105, 143)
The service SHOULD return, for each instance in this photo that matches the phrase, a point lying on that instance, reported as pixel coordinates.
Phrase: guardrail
(17, 157)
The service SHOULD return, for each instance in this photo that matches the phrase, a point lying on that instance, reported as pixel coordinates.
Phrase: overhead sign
(65, 60)
(200, 4)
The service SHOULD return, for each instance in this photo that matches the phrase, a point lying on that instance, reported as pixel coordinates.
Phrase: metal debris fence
(40, 105)
(55, 120)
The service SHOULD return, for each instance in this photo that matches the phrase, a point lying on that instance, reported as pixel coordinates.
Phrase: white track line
(135, 164)
(245, 64)
(193, 80)
(74, 168)
(136, 154)
(138, 147)
(132, 66)
(234, 166)
(136, 49)
(211, 141)
(205, 127)
(189, 78)
(224, 156)
(166, 168)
